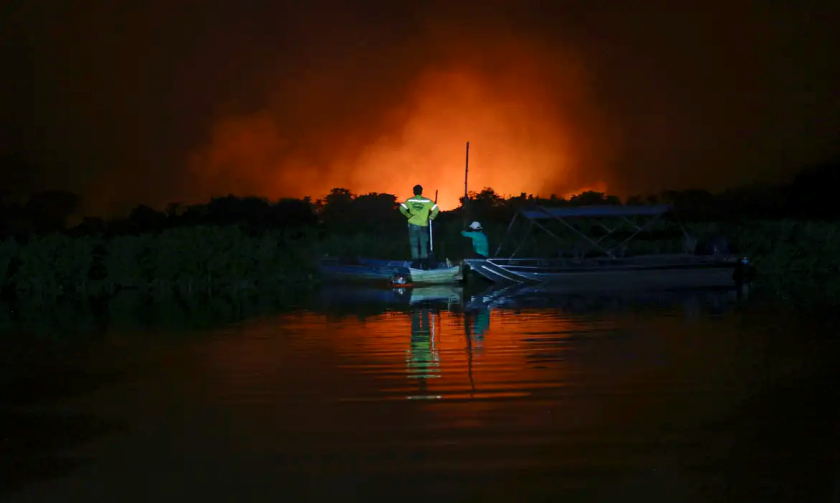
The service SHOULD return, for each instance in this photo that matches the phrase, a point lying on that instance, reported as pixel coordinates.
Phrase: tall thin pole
(466, 177)
(466, 200)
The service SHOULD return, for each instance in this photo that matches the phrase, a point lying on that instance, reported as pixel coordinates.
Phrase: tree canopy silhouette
(809, 196)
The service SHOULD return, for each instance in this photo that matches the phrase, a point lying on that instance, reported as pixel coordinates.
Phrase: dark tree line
(810, 196)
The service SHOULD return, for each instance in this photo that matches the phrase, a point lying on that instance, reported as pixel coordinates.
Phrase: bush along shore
(790, 257)
(190, 260)
(249, 244)
(793, 259)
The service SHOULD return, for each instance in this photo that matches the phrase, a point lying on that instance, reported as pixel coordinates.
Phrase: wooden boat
(398, 271)
(611, 268)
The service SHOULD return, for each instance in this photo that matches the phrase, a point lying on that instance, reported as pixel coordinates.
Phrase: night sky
(177, 100)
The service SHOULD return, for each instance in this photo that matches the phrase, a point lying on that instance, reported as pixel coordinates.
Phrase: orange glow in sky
(530, 130)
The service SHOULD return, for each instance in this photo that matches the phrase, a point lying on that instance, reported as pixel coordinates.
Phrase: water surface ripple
(684, 401)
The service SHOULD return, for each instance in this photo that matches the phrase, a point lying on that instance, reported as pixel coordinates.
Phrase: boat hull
(435, 276)
(386, 270)
(617, 274)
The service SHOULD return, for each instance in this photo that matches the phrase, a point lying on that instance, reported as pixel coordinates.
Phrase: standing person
(480, 246)
(419, 210)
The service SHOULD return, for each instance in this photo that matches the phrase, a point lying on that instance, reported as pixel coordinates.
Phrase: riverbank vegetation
(247, 243)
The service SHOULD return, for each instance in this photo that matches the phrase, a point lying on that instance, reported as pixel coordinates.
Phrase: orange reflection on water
(480, 364)
(468, 370)
(446, 355)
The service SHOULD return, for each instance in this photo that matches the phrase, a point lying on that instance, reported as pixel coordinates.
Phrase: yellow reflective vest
(419, 210)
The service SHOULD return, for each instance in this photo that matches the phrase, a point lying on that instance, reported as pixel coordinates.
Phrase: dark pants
(468, 274)
(471, 253)
(418, 236)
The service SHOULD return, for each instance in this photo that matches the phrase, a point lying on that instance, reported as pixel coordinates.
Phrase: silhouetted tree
(50, 210)
(812, 193)
(294, 212)
(591, 197)
(194, 214)
(377, 212)
(90, 226)
(234, 210)
(337, 208)
(809, 196)
(146, 219)
(14, 221)
(173, 213)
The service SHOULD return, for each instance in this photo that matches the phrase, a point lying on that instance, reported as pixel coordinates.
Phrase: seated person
(480, 246)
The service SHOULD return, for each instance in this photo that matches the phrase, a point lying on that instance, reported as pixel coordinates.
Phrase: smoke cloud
(176, 101)
(392, 122)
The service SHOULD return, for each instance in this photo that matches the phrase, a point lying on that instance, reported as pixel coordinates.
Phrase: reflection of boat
(438, 293)
(362, 269)
(548, 295)
(348, 294)
(611, 267)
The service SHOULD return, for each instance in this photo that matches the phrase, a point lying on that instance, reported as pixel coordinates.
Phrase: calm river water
(488, 396)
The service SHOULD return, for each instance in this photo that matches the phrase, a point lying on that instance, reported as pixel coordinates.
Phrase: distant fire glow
(521, 140)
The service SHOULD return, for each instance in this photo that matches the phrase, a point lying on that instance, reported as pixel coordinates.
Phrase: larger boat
(596, 266)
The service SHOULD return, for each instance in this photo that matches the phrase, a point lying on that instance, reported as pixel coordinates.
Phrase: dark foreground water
(496, 396)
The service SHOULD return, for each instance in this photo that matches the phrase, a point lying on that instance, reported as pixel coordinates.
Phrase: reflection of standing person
(423, 361)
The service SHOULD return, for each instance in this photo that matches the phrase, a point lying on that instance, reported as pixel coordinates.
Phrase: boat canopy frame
(595, 213)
